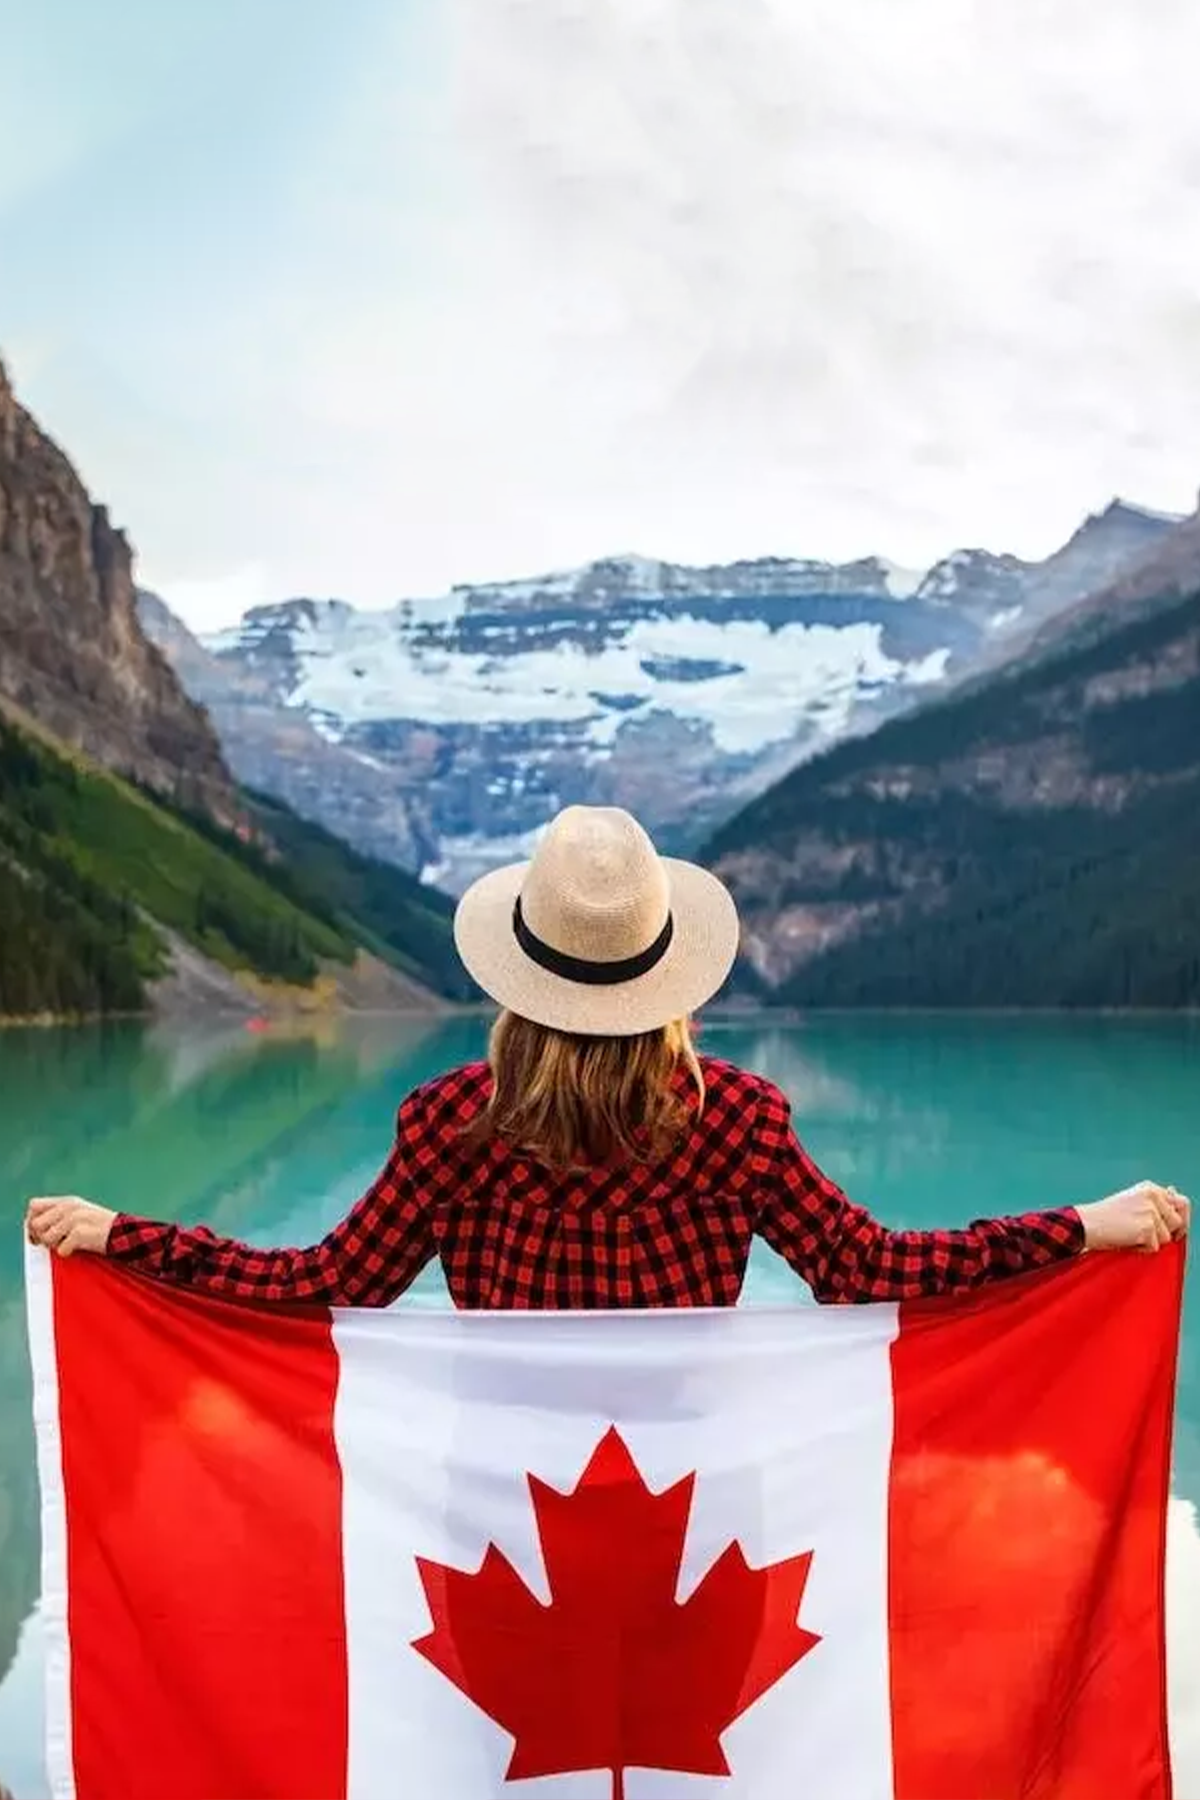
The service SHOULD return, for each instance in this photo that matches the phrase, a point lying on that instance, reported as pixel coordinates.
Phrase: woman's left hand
(65, 1223)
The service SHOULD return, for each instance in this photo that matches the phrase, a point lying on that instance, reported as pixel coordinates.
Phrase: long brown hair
(573, 1102)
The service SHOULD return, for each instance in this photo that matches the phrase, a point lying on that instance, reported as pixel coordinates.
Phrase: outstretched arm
(368, 1259)
(846, 1255)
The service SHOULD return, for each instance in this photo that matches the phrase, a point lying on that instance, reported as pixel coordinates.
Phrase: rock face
(1072, 771)
(1170, 568)
(196, 988)
(73, 656)
(444, 733)
(278, 751)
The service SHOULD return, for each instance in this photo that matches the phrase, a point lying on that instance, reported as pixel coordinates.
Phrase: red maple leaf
(615, 1672)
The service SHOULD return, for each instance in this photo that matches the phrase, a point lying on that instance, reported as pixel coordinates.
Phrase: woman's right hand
(1142, 1217)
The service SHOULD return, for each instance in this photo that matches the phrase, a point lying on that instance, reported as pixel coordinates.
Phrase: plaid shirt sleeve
(846, 1255)
(367, 1260)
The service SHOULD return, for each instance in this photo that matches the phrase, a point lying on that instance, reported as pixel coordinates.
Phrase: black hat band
(582, 968)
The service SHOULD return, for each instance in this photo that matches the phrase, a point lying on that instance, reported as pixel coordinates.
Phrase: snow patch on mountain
(471, 854)
(749, 684)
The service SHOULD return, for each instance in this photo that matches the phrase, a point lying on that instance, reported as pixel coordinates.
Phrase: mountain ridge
(1033, 838)
(462, 723)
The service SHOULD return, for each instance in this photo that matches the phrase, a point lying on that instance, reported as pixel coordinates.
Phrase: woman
(596, 1161)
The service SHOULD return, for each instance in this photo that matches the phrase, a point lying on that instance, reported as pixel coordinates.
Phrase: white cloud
(558, 278)
(924, 269)
(217, 602)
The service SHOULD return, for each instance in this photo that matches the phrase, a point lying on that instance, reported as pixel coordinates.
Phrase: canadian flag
(842, 1553)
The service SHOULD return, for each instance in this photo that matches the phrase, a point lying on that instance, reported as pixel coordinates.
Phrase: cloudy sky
(363, 297)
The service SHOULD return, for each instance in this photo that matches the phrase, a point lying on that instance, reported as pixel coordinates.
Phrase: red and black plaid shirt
(675, 1233)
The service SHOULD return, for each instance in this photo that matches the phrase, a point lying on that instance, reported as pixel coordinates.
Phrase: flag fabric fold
(895, 1553)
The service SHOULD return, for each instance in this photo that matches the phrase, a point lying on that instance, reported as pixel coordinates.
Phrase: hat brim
(701, 954)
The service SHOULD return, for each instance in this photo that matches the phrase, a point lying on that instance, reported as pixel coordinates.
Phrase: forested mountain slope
(1035, 841)
(100, 880)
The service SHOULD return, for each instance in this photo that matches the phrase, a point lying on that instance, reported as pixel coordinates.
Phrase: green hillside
(88, 862)
(394, 914)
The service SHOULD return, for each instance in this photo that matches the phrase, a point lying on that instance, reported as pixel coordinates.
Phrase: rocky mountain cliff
(183, 892)
(278, 750)
(1032, 839)
(1008, 597)
(72, 654)
(1169, 569)
(460, 725)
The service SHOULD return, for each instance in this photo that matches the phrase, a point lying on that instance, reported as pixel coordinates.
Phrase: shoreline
(714, 1017)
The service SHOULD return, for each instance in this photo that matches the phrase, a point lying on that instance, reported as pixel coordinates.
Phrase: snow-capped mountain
(982, 586)
(678, 692)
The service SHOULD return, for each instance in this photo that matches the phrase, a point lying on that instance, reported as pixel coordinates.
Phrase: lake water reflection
(928, 1121)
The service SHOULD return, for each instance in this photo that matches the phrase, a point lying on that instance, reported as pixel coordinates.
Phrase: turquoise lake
(926, 1120)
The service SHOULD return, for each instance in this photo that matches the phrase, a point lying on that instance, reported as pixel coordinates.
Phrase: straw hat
(598, 934)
